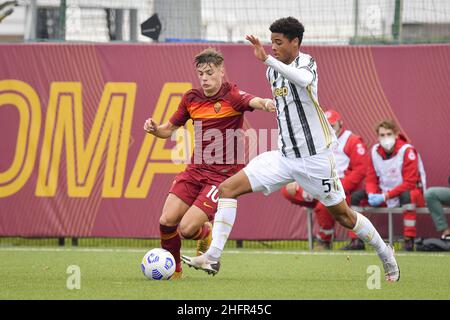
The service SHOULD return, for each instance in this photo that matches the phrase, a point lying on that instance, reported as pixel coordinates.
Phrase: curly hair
(209, 55)
(290, 27)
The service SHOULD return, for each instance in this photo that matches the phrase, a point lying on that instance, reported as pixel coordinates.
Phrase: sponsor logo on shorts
(206, 204)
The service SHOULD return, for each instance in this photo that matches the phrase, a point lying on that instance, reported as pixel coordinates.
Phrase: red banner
(75, 161)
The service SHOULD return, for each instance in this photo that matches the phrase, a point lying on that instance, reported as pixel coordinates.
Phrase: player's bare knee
(187, 231)
(165, 220)
(225, 190)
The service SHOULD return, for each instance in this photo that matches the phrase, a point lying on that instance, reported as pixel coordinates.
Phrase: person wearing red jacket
(351, 162)
(395, 177)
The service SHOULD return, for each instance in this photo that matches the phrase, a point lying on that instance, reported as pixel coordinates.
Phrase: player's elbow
(304, 78)
(166, 136)
(302, 83)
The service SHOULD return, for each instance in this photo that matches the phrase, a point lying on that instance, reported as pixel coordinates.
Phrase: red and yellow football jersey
(214, 118)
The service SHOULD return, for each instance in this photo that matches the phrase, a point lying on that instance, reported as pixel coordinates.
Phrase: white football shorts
(317, 175)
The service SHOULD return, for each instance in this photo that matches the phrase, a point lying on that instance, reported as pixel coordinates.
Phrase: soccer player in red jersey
(216, 106)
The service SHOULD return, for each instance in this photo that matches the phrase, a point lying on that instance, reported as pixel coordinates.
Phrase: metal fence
(326, 21)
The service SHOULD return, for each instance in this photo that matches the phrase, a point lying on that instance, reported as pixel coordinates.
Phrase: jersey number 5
(327, 184)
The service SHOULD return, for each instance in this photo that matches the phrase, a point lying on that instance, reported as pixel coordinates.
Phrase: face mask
(387, 143)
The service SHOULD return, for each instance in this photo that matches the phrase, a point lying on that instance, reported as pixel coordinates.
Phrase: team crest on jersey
(411, 155)
(217, 107)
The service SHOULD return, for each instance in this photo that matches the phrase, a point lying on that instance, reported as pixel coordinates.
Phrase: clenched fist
(150, 126)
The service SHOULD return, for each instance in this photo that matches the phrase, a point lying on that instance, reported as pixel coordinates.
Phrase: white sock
(223, 224)
(365, 230)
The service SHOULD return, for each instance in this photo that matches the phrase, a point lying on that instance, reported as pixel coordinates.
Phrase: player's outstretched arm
(163, 131)
(259, 51)
(301, 77)
(262, 104)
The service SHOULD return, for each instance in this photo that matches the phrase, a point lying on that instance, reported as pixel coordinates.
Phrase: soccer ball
(158, 264)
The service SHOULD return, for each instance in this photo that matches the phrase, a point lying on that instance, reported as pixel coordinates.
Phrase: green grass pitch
(40, 273)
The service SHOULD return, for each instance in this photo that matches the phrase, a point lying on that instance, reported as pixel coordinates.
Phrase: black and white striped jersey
(303, 129)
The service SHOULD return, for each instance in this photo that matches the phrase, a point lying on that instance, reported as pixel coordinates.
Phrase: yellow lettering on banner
(153, 149)
(22, 96)
(159, 152)
(110, 130)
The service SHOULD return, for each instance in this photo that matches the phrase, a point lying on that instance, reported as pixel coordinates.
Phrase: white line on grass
(241, 251)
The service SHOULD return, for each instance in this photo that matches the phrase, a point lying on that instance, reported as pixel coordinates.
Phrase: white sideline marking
(241, 251)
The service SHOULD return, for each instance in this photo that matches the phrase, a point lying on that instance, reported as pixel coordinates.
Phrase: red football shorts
(200, 188)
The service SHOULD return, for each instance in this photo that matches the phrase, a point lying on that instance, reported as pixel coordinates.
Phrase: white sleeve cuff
(270, 61)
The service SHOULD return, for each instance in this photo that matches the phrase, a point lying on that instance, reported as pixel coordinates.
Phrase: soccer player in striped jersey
(351, 159)
(304, 154)
(217, 106)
